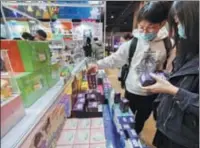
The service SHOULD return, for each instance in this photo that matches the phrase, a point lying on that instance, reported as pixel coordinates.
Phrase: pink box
(67, 137)
(82, 137)
(11, 114)
(97, 123)
(97, 136)
(71, 124)
(84, 123)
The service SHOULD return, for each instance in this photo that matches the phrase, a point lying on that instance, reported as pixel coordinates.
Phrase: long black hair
(187, 13)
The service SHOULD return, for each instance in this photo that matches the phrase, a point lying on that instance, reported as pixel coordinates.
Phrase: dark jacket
(178, 116)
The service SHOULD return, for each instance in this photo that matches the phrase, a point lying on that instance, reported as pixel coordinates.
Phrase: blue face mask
(147, 36)
(181, 31)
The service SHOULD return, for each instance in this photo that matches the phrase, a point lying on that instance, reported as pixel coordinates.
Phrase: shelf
(15, 137)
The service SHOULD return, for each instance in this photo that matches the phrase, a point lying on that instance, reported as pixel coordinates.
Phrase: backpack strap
(132, 49)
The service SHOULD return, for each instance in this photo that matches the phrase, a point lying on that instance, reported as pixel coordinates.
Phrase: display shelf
(16, 136)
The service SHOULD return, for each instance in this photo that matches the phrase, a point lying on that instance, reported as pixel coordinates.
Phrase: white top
(145, 51)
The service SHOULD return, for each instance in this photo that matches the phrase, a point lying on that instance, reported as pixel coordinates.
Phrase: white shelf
(15, 137)
(7, 100)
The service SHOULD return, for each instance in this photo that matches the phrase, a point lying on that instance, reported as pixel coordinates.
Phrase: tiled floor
(149, 129)
(81, 133)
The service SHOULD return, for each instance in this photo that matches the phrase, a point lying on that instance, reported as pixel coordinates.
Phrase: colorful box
(32, 86)
(13, 54)
(71, 124)
(35, 55)
(52, 74)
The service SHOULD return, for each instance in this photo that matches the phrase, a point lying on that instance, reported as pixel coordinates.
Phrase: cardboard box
(66, 101)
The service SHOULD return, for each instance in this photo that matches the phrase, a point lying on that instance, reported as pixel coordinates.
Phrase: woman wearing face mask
(178, 110)
(150, 47)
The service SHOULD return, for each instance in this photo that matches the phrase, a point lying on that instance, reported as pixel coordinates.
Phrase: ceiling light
(125, 22)
(112, 17)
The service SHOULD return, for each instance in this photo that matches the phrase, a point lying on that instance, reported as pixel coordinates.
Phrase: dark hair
(96, 39)
(42, 33)
(154, 12)
(27, 36)
(128, 36)
(188, 15)
(17, 39)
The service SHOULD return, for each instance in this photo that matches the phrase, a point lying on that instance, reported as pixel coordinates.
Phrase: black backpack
(132, 48)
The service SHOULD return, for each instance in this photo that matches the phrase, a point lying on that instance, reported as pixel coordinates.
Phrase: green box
(35, 55)
(32, 86)
(52, 74)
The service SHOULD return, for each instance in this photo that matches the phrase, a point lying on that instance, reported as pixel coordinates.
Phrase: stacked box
(32, 86)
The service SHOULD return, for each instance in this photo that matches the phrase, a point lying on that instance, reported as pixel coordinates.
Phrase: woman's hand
(92, 68)
(161, 86)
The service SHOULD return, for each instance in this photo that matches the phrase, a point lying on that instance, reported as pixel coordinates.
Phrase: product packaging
(117, 98)
(124, 105)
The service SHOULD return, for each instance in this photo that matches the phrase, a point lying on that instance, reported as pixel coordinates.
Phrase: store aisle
(149, 129)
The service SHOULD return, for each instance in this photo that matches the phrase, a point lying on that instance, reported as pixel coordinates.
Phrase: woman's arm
(187, 101)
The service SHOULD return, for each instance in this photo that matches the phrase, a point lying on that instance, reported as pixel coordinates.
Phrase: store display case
(12, 109)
